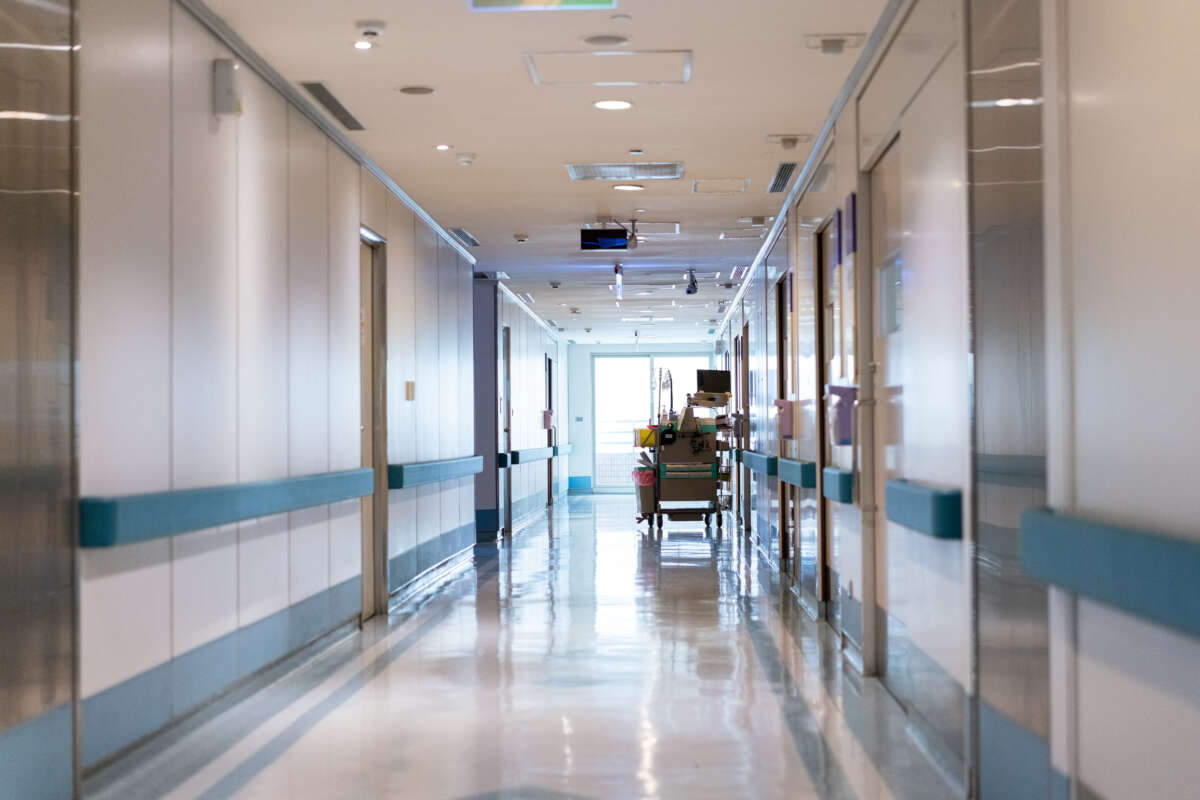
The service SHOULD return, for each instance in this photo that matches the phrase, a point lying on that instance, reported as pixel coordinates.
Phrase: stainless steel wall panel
(37, 240)
(1005, 162)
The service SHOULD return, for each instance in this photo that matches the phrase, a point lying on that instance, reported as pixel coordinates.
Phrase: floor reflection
(601, 661)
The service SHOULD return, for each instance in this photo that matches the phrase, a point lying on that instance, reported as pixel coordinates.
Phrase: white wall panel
(1139, 706)
(930, 29)
(401, 367)
(309, 562)
(374, 199)
(262, 567)
(425, 294)
(308, 298)
(124, 255)
(1137, 322)
(927, 578)
(345, 541)
(401, 332)
(124, 612)
(204, 587)
(345, 383)
(262, 207)
(450, 419)
(204, 267)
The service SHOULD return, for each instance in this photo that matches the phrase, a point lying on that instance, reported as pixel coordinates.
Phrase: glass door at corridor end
(626, 396)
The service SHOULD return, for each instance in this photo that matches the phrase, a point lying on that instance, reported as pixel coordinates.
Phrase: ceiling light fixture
(629, 187)
(369, 32)
(613, 105)
(639, 211)
(442, 147)
(606, 39)
(416, 90)
(637, 151)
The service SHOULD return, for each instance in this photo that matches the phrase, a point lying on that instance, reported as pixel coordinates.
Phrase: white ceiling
(752, 74)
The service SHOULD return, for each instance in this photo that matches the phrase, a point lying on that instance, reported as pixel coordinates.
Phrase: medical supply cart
(679, 473)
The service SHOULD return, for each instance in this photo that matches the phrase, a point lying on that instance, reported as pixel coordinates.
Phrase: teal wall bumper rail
(1147, 574)
(937, 512)
(798, 473)
(531, 454)
(763, 464)
(837, 484)
(403, 476)
(125, 519)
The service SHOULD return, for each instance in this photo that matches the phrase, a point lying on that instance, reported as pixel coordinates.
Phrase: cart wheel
(708, 520)
(660, 521)
(720, 517)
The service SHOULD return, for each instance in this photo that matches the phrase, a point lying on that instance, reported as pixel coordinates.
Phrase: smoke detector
(832, 44)
(521, 238)
(466, 159)
(555, 284)
(788, 141)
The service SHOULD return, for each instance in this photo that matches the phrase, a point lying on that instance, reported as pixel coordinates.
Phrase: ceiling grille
(783, 176)
(464, 236)
(640, 171)
(334, 106)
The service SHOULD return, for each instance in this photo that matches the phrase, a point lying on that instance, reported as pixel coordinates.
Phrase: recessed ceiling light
(637, 151)
(613, 105)
(621, 18)
(606, 40)
(442, 147)
(415, 90)
(363, 44)
(629, 187)
(639, 211)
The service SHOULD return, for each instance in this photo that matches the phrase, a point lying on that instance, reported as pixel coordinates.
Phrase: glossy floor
(583, 659)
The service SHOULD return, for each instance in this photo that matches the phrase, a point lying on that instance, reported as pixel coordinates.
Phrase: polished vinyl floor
(584, 658)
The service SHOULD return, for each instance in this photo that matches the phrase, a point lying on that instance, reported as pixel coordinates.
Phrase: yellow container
(644, 437)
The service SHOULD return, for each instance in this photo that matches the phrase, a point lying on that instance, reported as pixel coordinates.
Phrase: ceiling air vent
(464, 236)
(783, 176)
(639, 171)
(334, 106)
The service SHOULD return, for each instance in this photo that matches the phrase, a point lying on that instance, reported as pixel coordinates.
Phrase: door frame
(373, 352)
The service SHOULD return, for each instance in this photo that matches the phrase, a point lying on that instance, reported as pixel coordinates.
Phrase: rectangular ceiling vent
(464, 236)
(643, 228)
(640, 171)
(334, 106)
(744, 233)
(783, 176)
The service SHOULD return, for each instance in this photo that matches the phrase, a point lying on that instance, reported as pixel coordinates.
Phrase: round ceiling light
(363, 44)
(629, 187)
(621, 18)
(613, 105)
(639, 211)
(606, 40)
(415, 90)
(442, 147)
(637, 151)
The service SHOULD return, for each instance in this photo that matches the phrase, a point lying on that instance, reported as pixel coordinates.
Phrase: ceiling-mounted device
(369, 32)
(609, 238)
(604, 239)
(618, 281)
